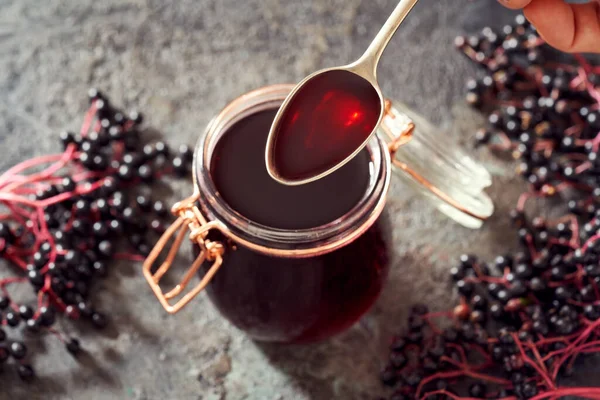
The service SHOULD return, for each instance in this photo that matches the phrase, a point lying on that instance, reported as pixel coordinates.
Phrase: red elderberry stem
(592, 393)
(451, 395)
(570, 348)
(87, 120)
(533, 364)
(463, 372)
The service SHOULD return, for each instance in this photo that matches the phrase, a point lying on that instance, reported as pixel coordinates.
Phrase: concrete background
(180, 62)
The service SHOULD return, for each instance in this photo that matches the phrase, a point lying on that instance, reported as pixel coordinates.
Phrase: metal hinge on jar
(188, 216)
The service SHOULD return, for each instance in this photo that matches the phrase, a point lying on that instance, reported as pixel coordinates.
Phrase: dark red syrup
(292, 299)
(326, 121)
(240, 175)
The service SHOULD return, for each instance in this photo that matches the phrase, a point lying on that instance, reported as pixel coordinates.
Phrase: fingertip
(554, 21)
(514, 4)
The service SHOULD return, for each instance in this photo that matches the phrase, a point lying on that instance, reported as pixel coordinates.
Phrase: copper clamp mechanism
(187, 213)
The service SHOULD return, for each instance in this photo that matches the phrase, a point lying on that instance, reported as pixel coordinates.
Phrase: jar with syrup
(301, 263)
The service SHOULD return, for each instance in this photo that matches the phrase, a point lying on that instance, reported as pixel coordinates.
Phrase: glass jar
(300, 285)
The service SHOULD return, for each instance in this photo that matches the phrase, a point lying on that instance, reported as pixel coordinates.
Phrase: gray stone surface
(180, 62)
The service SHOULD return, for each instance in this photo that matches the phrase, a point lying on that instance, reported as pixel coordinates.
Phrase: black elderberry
(125, 172)
(562, 293)
(99, 268)
(557, 273)
(136, 117)
(592, 270)
(523, 271)
(133, 160)
(109, 187)
(73, 346)
(161, 163)
(464, 287)
(149, 152)
(429, 365)
(495, 120)
(457, 273)
(66, 138)
(493, 288)
(398, 344)
(517, 288)
(399, 396)
(144, 203)
(587, 293)
(179, 166)
(496, 311)
(99, 320)
(528, 390)
(25, 312)
(157, 226)
(12, 318)
(398, 360)
(478, 302)
(415, 337)
(17, 350)
(115, 226)
(477, 317)
(467, 331)
(144, 249)
(100, 229)
(591, 312)
(160, 208)
(25, 372)
(537, 284)
(72, 258)
(47, 316)
(129, 215)
(162, 148)
(503, 295)
(436, 351)
(389, 376)
(498, 353)
(186, 152)
(81, 226)
(145, 173)
(99, 163)
(413, 379)
(33, 325)
(416, 323)
(477, 390)
(71, 311)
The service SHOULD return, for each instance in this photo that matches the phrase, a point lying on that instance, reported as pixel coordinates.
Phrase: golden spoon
(301, 147)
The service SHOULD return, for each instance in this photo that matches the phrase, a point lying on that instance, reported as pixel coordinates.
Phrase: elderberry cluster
(524, 320)
(96, 209)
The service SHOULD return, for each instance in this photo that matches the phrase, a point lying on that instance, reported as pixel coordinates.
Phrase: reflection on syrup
(325, 122)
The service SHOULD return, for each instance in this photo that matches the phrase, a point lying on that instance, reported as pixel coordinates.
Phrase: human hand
(568, 27)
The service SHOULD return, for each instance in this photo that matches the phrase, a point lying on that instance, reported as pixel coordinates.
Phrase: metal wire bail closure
(435, 167)
(188, 216)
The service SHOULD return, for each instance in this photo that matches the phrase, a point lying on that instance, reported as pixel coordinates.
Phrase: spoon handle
(375, 49)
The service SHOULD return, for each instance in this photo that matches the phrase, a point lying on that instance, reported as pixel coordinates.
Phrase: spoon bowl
(330, 115)
(341, 103)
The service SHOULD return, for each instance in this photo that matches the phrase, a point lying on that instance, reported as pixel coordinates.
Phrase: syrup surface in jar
(281, 299)
(329, 117)
(240, 175)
